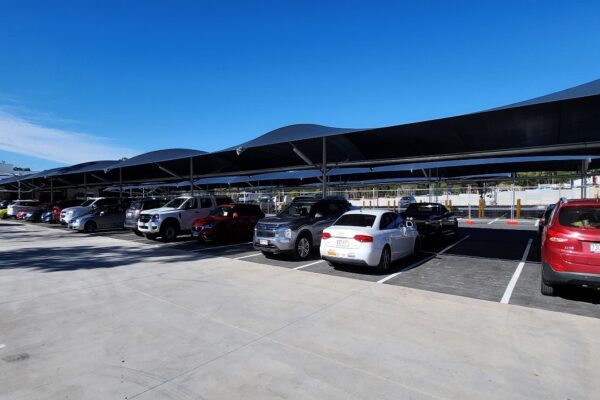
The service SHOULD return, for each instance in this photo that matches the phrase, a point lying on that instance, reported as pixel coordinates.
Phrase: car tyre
(90, 227)
(168, 232)
(303, 247)
(547, 290)
(386, 260)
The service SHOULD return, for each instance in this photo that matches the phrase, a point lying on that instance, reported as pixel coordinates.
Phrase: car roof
(371, 211)
(581, 202)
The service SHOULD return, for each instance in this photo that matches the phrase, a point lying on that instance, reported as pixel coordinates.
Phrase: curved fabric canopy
(156, 156)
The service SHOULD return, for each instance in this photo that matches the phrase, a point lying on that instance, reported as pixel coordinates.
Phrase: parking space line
(492, 221)
(433, 255)
(308, 265)
(517, 273)
(248, 256)
(220, 247)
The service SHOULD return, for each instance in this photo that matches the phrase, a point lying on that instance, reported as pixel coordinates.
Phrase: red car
(21, 214)
(571, 246)
(229, 222)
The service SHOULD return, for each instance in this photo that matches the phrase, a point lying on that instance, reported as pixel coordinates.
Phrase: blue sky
(86, 80)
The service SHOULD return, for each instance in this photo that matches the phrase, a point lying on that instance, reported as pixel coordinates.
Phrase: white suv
(178, 215)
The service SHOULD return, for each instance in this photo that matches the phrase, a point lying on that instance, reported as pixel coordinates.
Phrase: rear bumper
(552, 277)
(346, 261)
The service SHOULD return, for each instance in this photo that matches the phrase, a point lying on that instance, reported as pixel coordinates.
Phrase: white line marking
(491, 222)
(248, 256)
(433, 255)
(515, 277)
(220, 247)
(537, 222)
(2, 346)
(308, 265)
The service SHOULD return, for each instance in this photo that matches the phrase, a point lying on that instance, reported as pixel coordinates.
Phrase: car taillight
(556, 237)
(363, 238)
(325, 235)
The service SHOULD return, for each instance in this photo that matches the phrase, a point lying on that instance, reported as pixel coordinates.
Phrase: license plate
(129, 214)
(264, 242)
(142, 225)
(595, 247)
(195, 234)
(331, 253)
(342, 243)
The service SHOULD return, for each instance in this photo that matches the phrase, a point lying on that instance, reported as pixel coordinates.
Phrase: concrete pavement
(86, 317)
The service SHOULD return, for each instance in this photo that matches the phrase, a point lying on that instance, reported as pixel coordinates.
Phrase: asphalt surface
(479, 264)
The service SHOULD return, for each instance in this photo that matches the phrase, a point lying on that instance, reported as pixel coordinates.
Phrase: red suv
(228, 222)
(571, 245)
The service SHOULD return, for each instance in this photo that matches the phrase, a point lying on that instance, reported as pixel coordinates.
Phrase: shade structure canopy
(566, 122)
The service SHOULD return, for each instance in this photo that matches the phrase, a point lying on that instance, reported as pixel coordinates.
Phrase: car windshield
(406, 198)
(365, 220)
(176, 203)
(87, 203)
(580, 217)
(296, 210)
(222, 212)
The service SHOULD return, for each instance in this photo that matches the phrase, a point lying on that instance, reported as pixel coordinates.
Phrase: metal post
(469, 199)
(120, 182)
(512, 203)
(51, 190)
(84, 186)
(192, 176)
(584, 165)
(324, 168)
(19, 189)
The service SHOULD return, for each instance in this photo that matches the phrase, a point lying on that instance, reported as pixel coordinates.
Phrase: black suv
(297, 228)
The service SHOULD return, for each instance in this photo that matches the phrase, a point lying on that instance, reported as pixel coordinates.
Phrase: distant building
(8, 170)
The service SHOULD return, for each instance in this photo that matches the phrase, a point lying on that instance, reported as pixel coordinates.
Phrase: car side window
(191, 204)
(387, 221)
(205, 202)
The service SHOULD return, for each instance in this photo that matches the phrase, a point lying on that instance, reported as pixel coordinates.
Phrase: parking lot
(479, 264)
(113, 315)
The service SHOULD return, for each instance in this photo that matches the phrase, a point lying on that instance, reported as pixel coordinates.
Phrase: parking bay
(479, 263)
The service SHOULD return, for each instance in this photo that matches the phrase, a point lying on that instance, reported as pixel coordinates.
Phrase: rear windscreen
(356, 220)
(580, 217)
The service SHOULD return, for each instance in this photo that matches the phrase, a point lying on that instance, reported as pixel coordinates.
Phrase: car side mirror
(318, 215)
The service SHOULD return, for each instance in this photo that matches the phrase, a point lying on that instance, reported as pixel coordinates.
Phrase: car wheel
(150, 236)
(547, 290)
(138, 233)
(386, 260)
(168, 232)
(90, 227)
(303, 247)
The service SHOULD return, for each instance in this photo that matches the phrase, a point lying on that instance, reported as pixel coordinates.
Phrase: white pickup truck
(177, 216)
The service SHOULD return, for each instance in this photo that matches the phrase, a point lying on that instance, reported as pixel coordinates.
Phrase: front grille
(269, 227)
(262, 233)
(144, 218)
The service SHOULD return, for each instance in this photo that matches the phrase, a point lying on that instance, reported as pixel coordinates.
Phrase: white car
(178, 215)
(20, 205)
(373, 238)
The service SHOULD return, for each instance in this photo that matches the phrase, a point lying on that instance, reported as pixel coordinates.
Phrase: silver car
(21, 205)
(105, 217)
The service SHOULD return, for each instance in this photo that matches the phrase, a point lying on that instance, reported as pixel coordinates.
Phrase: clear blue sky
(85, 80)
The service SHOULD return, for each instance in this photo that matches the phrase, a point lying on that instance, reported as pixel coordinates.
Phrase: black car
(35, 215)
(431, 219)
(132, 215)
(544, 217)
(297, 228)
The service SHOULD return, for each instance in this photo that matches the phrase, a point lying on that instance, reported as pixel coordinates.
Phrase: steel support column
(324, 168)
(192, 176)
(51, 190)
(120, 182)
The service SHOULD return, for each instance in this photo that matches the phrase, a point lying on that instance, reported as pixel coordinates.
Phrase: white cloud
(20, 136)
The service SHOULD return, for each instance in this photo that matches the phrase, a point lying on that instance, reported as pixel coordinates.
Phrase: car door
(192, 211)
(392, 235)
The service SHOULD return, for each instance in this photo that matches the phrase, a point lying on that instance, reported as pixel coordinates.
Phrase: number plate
(595, 247)
(195, 234)
(264, 242)
(129, 214)
(342, 243)
(143, 226)
(331, 253)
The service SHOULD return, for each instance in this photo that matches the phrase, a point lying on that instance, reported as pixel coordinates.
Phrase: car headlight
(286, 233)
(155, 217)
(207, 226)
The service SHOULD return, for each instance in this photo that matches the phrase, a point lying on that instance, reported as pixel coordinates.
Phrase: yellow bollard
(363, 201)
(518, 208)
(450, 205)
